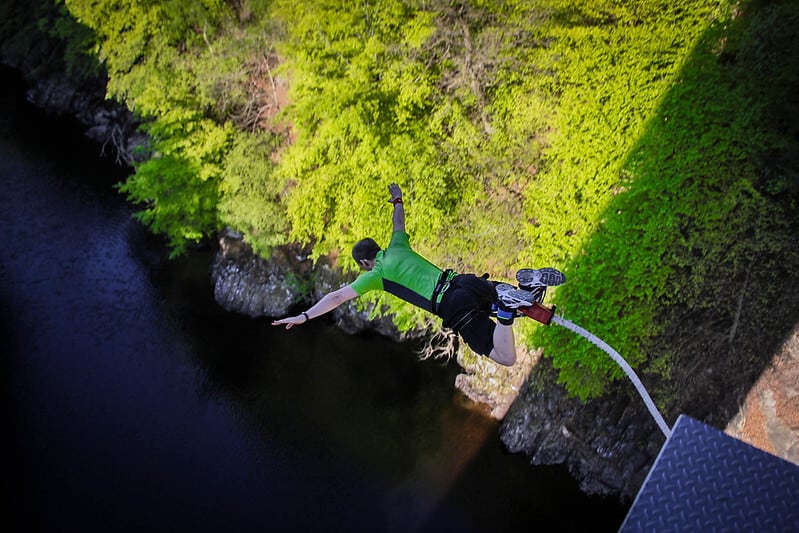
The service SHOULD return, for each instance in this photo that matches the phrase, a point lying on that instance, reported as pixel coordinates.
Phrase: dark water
(131, 402)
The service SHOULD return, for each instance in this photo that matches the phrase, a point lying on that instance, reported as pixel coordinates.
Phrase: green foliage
(138, 39)
(613, 66)
(251, 194)
(671, 222)
(385, 92)
(179, 182)
(183, 203)
(359, 113)
(181, 66)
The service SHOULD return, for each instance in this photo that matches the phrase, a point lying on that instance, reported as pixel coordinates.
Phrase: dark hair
(365, 249)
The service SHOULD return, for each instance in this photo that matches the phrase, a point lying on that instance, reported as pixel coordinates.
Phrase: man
(465, 302)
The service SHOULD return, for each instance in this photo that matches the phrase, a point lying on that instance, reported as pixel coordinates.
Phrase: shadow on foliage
(696, 258)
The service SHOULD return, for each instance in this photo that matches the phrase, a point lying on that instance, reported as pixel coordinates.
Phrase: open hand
(290, 321)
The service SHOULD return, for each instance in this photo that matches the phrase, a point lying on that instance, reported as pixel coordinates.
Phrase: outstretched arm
(399, 211)
(328, 302)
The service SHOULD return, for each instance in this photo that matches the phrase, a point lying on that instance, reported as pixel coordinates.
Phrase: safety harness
(441, 287)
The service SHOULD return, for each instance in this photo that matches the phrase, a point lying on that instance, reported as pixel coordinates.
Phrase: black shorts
(466, 309)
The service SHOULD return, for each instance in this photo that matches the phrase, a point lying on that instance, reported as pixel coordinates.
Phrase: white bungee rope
(622, 363)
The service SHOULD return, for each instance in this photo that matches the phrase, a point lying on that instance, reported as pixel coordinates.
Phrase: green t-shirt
(402, 272)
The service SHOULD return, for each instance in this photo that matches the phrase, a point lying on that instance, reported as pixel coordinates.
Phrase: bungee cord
(624, 366)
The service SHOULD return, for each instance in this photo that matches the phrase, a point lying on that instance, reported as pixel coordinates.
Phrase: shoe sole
(514, 298)
(532, 277)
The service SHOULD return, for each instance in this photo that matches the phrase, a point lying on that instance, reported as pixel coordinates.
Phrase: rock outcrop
(608, 444)
(250, 285)
(107, 123)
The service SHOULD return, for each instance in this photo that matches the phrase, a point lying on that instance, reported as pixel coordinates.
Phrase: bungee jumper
(465, 302)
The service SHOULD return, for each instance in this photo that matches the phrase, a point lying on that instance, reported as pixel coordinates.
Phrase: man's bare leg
(504, 351)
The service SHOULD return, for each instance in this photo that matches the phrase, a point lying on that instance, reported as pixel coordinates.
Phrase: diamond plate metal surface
(704, 480)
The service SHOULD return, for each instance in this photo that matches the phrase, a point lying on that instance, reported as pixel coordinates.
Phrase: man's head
(364, 253)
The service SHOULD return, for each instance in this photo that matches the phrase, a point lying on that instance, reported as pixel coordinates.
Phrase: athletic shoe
(546, 277)
(512, 298)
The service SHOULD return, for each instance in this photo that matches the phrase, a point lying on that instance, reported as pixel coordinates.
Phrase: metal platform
(704, 480)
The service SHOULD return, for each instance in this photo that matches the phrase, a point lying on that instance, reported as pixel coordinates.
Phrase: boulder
(250, 285)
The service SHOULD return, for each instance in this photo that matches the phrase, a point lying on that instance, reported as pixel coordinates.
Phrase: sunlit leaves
(251, 198)
(184, 204)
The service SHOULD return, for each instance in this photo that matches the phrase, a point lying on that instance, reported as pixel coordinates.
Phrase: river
(132, 402)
